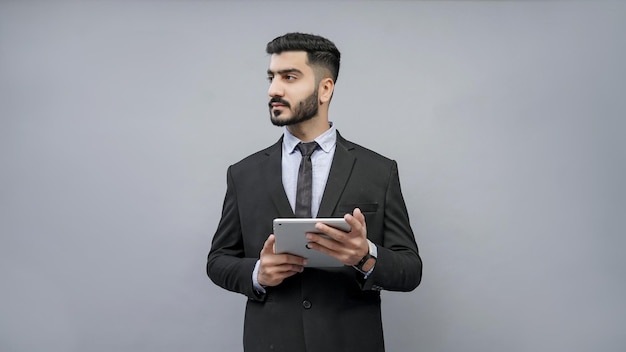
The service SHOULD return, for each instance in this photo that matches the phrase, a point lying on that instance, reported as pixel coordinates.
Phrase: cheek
(303, 94)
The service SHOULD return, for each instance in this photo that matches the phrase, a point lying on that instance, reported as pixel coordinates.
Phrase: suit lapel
(273, 179)
(340, 171)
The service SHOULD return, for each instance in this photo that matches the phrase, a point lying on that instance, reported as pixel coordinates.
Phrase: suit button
(306, 304)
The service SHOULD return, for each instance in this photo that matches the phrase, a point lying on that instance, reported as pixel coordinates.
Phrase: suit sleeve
(398, 265)
(227, 265)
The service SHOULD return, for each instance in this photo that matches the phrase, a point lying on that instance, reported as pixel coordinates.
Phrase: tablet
(290, 238)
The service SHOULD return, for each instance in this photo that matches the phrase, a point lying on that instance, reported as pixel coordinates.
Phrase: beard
(306, 110)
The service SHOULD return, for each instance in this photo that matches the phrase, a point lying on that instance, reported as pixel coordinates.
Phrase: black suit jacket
(319, 309)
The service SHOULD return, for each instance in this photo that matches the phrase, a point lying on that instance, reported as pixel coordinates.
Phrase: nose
(276, 89)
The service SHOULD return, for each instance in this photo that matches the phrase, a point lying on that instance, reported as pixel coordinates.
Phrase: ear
(325, 90)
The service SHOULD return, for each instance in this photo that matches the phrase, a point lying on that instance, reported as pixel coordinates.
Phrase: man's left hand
(347, 247)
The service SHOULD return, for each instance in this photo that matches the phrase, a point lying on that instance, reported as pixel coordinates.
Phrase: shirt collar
(325, 140)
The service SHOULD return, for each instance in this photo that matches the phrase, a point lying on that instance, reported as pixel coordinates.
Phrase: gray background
(118, 121)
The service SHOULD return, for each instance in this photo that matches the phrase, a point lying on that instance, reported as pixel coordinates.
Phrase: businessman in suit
(293, 307)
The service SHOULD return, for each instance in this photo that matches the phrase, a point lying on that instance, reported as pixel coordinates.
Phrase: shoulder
(255, 159)
(362, 153)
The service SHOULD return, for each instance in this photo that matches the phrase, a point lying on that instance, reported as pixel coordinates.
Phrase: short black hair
(320, 51)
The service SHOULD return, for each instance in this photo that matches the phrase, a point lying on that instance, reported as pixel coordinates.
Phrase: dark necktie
(305, 180)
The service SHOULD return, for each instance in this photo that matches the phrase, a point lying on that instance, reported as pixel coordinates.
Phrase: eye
(270, 78)
(290, 78)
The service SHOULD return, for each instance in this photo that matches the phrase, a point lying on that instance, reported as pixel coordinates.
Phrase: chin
(280, 119)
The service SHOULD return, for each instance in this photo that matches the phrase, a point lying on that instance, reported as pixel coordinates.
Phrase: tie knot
(306, 149)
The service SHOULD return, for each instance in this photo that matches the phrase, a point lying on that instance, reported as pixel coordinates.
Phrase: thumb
(268, 246)
(358, 215)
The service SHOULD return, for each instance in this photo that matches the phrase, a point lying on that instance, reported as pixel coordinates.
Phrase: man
(293, 307)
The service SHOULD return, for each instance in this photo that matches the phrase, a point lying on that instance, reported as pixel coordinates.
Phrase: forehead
(289, 60)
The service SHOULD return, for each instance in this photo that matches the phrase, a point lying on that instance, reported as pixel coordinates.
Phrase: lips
(277, 103)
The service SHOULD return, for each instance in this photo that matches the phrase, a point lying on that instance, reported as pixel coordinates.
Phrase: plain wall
(118, 120)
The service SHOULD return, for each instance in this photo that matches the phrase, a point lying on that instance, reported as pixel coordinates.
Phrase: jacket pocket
(365, 208)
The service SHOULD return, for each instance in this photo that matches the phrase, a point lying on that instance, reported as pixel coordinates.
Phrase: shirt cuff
(255, 278)
(373, 253)
(373, 249)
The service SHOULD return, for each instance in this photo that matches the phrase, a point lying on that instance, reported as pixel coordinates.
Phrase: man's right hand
(274, 268)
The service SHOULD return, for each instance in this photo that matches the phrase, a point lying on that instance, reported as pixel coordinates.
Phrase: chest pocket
(365, 208)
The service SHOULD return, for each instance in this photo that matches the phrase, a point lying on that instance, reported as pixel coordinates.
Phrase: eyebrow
(282, 72)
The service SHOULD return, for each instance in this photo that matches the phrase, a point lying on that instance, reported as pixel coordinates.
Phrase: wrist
(367, 263)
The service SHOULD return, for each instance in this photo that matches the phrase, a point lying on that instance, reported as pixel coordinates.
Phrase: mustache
(279, 101)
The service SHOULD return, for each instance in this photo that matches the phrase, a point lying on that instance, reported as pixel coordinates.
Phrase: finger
(289, 268)
(316, 241)
(278, 277)
(332, 232)
(281, 271)
(273, 271)
(290, 259)
(275, 276)
(324, 246)
(337, 254)
(284, 258)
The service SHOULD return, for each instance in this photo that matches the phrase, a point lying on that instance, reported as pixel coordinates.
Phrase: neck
(307, 131)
